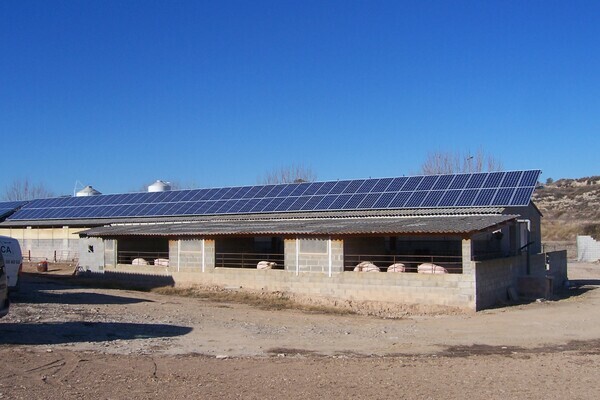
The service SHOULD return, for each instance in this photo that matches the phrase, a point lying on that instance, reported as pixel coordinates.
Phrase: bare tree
(294, 173)
(452, 163)
(25, 190)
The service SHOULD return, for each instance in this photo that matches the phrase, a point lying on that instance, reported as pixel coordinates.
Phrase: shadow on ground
(69, 332)
(41, 291)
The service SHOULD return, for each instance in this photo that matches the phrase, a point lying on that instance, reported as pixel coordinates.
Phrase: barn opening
(247, 252)
(384, 251)
(143, 251)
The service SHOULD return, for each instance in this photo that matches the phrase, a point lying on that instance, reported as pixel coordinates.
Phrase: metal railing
(247, 260)
(453, 264)
(141, 257)
(53, 255)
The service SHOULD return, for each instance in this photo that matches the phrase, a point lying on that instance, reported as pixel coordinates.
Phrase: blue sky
(117, 94)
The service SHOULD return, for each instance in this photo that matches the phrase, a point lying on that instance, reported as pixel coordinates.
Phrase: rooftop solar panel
(513, 188)
(7, 207)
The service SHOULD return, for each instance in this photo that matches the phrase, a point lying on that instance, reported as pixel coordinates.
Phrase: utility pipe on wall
(297, 256)
(330, 260)
(203, 256)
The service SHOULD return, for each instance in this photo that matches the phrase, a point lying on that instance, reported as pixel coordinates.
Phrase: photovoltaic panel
(354, 201)
(311, 203)
(529, 179)
(339, 187)
(466, 198)
(312, 189)
(511, 179)
(353, 187)
(251, 192)
(7, 207)
(300, 201)
(415, 199)
(484, 197)
(369, 200)
(399, 200)
(513, 188)
(493, 180)
(443, 182)
(382, 185)
(338, 203)
(460, 181)
(521, 196)
(504, 195)
(476, 181)
(432, 199)
(327, 186)
(367, 185)
(300, 189)
(427, 182)
(412, 183)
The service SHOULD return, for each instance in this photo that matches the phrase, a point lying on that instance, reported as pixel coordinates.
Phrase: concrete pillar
(467, 257)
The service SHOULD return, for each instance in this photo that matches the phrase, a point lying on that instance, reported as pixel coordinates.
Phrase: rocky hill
(570, 207)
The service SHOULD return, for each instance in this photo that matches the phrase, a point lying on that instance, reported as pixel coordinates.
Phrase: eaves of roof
(446, 224)
(266, 216)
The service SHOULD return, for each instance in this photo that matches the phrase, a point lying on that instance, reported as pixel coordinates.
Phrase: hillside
(570, 207)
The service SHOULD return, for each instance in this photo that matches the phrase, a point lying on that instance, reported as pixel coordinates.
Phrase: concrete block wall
(110, 252)
(588, 249)
(188, 255)
(91, 254)
(494, 277)
(314, 255)
(60, 244)
(558, 264)
(456, 290)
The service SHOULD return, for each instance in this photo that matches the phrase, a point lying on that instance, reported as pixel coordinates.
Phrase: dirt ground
(71, 342)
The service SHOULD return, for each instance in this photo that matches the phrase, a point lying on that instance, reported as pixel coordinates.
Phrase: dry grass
(262, 300)
(570, 208)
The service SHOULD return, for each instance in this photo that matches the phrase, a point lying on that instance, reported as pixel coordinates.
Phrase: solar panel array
(512, 188)
(7, 207)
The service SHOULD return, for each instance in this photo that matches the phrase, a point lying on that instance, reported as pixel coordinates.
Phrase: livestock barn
(461, 240)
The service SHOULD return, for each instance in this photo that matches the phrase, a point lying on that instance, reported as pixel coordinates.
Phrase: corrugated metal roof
(447, 224)
(245, 217)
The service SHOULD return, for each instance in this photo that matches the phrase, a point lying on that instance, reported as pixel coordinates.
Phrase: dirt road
(86, 343)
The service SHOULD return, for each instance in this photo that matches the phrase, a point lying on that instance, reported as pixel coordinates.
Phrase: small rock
(48, 350)
(222, 357)
(281, 355)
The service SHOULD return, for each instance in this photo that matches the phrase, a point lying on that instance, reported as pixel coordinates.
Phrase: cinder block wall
(588, 249)
(313, 255)
(494, 277)
(187, 255)
(91, 251)
(50, 243)
(457, 290)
